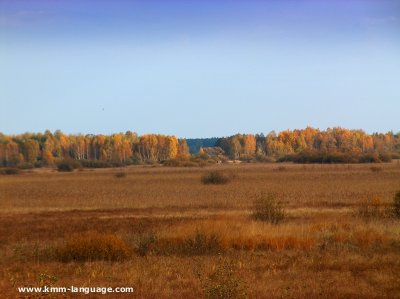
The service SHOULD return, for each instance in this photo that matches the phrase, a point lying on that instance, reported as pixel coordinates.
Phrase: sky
(198, 68)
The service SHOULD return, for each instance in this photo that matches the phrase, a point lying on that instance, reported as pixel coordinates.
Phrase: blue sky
(198, 68)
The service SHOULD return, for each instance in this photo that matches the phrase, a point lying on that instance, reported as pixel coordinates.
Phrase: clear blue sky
(198, 68)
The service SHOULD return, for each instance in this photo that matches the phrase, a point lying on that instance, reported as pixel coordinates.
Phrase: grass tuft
(222, 282)
(268, 208)
(201, 244)
(93, 246)
(145, 243)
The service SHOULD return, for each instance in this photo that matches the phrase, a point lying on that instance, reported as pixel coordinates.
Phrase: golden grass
(91, 246)
(298, 186)
(242, 233)
(175, 231)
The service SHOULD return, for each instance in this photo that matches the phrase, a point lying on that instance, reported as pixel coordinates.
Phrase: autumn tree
(30, 150)
(183, 149)
(249, 145)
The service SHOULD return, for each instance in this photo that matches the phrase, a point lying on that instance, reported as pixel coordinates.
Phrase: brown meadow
(168, 235)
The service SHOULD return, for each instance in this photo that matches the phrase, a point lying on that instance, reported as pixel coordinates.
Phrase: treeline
(336, 145)
(48, 149)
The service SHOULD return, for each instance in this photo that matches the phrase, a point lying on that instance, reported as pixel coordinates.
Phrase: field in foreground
(175, 237)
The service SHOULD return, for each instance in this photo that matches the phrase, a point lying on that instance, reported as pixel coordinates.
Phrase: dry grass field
(168, 235)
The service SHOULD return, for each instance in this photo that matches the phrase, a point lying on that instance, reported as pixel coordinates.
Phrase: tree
(235, 147)
(30, 150)
(172, 147)
(249, 145)
(183, 149)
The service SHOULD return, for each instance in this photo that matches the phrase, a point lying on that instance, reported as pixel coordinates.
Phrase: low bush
(385, 157)
(268, 208)
(172, 163)
(223, 283)
(145, 243)
(201, 244)
(38, 164)
(93, 246)
(311, 156)
(369, 158)
(215, 178)
(181, 163)
(26, 166)
(9, 171)
(320, 157)
(95, 164)
(68, 165)
(121, 175)
(265, 159)
(192, 162)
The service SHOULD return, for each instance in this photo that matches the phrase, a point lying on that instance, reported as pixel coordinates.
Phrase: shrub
(120, 175)
(385, 157)
(396, 205)
(145, 243)
(265, 159)
(201, 244)
(180, 163)
(92, 246)
(26, 166)
(223, 283)
(38, 164)
(267, 208)
(312, 156)
(68, 165)
(95, 164)
(172, 163)
(369, 158)
(9, 171)
(215, 178)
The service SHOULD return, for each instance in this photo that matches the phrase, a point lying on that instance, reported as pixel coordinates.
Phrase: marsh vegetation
(309, 231)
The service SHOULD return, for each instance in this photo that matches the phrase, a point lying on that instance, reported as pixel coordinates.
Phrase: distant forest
(195, 144)
(309, 145)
